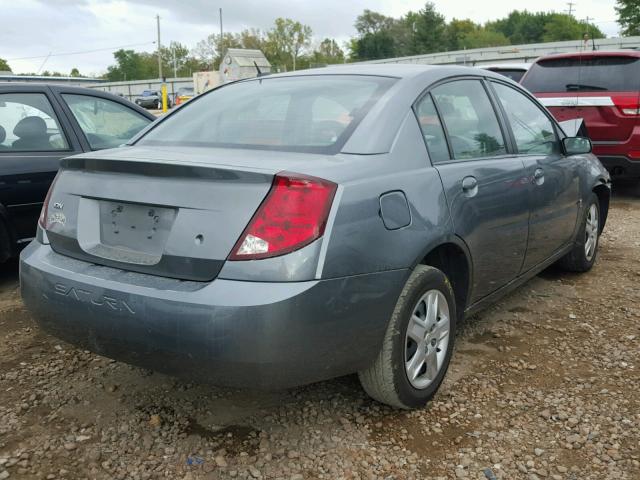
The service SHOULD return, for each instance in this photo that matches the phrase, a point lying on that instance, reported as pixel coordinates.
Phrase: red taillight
(627, 104)
(293, 214)
(44, 213)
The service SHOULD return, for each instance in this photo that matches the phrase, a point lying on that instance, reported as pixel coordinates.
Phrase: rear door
(34, 136)
(555, 188)
(597, 88)
(484, 183)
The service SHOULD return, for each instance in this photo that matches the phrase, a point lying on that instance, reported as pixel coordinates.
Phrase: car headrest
(3, 134)
(30, 127)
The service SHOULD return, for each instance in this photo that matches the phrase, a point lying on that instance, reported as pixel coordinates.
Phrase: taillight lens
(44, 213)
(627, 104)
(293, 214)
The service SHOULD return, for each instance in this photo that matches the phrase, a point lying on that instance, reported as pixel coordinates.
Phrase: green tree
(456, 33)
(482, 37)
(628, 16)
(429, 27)
(286, 41)
(327, 53)
(4, 66)
(375, 39)
(561, 27)
(131, 65)
(75, 72)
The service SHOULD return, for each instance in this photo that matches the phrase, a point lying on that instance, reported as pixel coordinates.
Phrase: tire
(387, 380)
(5, 243)
(581, 258)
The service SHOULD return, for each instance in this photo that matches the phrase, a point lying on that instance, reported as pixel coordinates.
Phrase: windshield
(148, 93)
(306, 113)
(584, 74)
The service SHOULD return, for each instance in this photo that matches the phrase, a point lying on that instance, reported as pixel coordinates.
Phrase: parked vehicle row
(334, 221)
(39, 125)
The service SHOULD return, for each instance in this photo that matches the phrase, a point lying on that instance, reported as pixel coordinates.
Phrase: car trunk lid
(154, 213)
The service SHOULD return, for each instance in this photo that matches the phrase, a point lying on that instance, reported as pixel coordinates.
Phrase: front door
(485, 185)
(554, 178)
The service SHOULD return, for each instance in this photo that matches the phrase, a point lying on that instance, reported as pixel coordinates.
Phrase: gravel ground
(544, 385)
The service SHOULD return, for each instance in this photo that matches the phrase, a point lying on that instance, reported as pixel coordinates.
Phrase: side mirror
(576, 145)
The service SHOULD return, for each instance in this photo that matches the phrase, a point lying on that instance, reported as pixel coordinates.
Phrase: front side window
(470, 120)
(432, 130)
(306, 113)
(29, 124)
(105, 124)
(532, 129)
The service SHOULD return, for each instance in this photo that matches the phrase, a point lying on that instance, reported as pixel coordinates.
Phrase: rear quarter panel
(359, 242)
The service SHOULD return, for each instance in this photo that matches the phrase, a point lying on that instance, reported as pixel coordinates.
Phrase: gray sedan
(284, 230)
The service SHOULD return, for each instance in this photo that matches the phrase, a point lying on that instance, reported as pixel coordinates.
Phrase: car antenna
(260, 74)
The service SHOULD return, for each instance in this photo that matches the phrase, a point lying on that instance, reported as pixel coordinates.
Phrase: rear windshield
(313, 114)
(584, 74)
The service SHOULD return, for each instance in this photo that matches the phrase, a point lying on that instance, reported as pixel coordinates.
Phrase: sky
(35, 28)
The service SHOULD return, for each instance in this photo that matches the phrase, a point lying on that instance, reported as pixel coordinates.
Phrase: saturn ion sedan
(288, 229)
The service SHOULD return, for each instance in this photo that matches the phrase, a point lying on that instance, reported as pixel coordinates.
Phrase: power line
(80, 52)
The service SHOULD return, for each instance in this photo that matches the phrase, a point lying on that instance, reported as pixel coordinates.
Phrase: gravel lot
(545, 385)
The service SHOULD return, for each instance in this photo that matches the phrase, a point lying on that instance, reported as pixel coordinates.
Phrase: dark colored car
(292, 228)
(603, 88)
(40, 124)
(152, 99)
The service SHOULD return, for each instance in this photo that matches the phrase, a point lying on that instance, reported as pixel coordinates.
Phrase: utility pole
(570, 10)
(220, 24)
(159, 55)
(593, 40)
(175, 69)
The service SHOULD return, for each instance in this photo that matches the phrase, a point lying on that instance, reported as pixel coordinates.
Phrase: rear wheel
(585, 251)
(418, 343)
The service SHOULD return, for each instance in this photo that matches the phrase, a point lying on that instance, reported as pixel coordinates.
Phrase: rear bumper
(620, 165)
(241, 334)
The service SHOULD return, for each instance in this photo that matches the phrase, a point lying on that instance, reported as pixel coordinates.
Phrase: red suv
(603, 88)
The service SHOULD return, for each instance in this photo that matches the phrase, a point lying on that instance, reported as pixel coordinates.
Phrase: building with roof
(239, 63)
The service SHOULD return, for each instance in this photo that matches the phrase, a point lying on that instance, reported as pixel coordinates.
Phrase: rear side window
(584, 74)
(29, 124)
(532, 129)
(432, 130)
(305, 113)
(470, 120)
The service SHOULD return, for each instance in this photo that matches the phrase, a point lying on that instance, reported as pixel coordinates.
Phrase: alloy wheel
(427, 339)
(591, 232)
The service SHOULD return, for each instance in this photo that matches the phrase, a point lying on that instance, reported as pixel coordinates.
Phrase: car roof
(6, 87)
(396, 70)
(590, 53)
